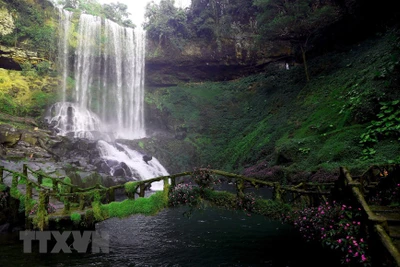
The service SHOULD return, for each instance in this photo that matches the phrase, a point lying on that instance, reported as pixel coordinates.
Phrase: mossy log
(387, 242)
(379, 223)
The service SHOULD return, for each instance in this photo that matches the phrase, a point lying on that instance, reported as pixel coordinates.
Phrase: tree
(296, 21)
(165, 22)
(118, 12)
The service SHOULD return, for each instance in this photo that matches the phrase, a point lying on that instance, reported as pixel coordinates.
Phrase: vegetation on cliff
(286, 128)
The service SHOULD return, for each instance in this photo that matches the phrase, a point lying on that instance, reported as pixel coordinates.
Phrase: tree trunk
(303, 53)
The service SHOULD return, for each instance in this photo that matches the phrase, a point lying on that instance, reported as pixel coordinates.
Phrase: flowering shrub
(389, 196)
(323, 176)
(263, 171)
(336, 226)
(247, 203)
(184, 194)
(50, 209)
(205, 179)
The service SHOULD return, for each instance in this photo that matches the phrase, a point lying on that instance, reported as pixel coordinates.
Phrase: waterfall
(108, 71)
(65, 24)
(106, 102)
(139, 169)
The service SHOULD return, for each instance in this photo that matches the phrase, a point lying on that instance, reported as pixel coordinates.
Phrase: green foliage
(27, 69)
(205, 179)
(214, 19)
(3, 187)
(43, 68)
(75, 218)
(387, 125)
(165, 22)
(32, 28)
(221, 199)
(118, 13)
(40, 102)
(147, 206)
(8, 104)
(338, 227)
(47, 182)
(130, 189)
(293, 19)
(184, 194)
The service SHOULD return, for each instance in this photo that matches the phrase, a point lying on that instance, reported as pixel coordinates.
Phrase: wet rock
(9, 136)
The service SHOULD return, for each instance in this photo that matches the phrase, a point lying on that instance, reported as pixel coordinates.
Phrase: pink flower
(363, 258)
(361, 240)
(339, 241)
(356, 254)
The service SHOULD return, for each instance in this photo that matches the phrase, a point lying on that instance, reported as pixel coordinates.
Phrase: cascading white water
(107, 100)
(65, 25)
(134, 160)
(108, 72)
(75, 121)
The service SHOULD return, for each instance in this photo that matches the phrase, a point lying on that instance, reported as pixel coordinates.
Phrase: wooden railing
(69, 193)
(376, 223)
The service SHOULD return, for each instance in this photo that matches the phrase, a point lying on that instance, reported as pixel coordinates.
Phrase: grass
(147, 206)
(277, 115)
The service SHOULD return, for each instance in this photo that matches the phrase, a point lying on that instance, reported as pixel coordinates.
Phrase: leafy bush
(205, 179)
(43, 67)
(75, 218)
(184, 194)
(387, 126)
(336, 226)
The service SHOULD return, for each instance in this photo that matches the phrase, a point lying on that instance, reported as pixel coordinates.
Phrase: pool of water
(210, 237)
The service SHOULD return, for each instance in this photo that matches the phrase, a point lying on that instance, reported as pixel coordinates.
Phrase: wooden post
(28, 206)
(277, 195)
(141, 188)
(14, 182)
(173, 181)
(67, 205)
(55, 185)
(240, 188)
(82, 201)
(111, 193)
(1, 174)
(25, 170)
(166, 185)
(40, 179)
(42, 210)
(47, 198)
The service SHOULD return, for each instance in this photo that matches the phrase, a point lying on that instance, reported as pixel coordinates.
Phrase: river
(210, 237)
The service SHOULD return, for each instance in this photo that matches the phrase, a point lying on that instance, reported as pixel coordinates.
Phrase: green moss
(141, 144)
(221, 198)
(270, 208)
(47, 182)
(75, 218)
(146, 206)
(41, 219)
(130, 188)
(3, 187)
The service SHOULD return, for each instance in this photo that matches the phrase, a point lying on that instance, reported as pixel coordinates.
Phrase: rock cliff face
(201, 60)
